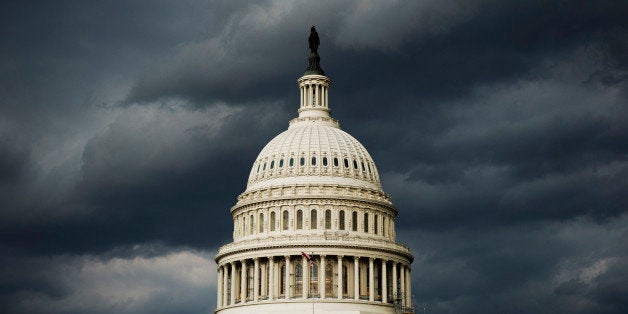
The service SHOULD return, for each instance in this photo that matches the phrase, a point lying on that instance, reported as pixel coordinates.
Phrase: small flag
(309, 258)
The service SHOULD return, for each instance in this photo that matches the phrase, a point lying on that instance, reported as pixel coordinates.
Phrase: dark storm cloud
(135, 187)
(541, 268)
(127, 130)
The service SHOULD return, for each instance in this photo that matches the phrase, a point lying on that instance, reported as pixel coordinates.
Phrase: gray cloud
(174, 281)
(499, 128)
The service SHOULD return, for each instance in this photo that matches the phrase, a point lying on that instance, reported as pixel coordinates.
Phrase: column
(225, 282)
(302, 95)
(402, 283)
(321, 277)
(288, 273)
(340, 282)
(271, 278)
(356, 278)
(233, 284)
(326, 97)
(371, 280)
(219, 288)
(306, 277)
(243, 282)
(384, 281)
(319, 95)
(256, 279)
(408, 288)
(394, 280)
(264, 272)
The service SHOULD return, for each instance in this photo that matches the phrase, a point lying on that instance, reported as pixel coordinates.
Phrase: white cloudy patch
(175, 282)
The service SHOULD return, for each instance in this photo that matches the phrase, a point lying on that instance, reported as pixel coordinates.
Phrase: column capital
(341, 256)
(255, 259)
(371, 259)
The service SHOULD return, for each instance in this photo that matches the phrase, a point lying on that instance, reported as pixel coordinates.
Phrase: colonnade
(328, 277)
(314, 95)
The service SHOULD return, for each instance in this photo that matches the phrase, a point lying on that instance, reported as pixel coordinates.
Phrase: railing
(400, 307)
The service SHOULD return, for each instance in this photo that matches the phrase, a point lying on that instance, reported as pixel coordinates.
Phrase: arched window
(328, 219)
(249, 281)
(335, 162)
(252, 224)
(243, 225)
(329, 280)
(324, 161)
(375, 219)
(314, 279)
(354, 221)
(313, 219)
(298, 279)
(366, 222)
(261, 223)
(346, 163)
(345, 282)
(302, 161)
(355, 165)
(363, 169)
(341, 220)
(291, 162)
(299, 219)
(282, 279)
(264, 168)
(258, 165)
(272, 164)
(272, 221)
(280, 163)
(313, 161)
(284, 221)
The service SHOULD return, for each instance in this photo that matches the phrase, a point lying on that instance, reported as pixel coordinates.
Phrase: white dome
(311, 152)
(313, 188)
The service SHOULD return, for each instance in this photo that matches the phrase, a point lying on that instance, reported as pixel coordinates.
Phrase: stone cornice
(328, 241)
(291, 193)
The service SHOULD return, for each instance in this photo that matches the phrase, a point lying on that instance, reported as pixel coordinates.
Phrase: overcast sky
(128, 129)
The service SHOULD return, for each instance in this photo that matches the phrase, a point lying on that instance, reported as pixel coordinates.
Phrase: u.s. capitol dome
(314, 231)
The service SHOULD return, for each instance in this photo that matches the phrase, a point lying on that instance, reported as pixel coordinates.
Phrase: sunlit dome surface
(313, 152)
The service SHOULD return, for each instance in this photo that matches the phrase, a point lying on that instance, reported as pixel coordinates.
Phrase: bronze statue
(313, 39)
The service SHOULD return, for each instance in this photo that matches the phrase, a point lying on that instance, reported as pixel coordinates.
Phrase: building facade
(314, 189)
